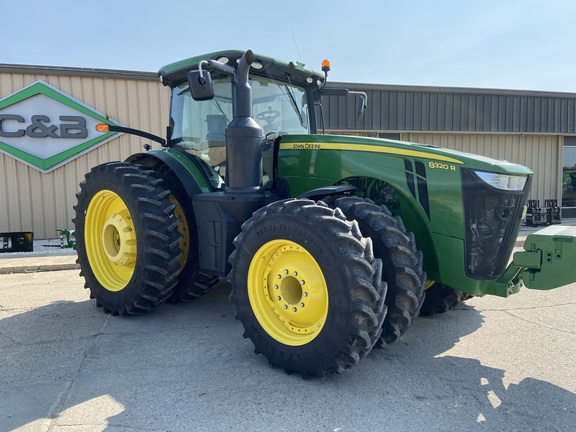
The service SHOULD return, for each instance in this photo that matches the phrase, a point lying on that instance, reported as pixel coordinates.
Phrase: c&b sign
(45, 128)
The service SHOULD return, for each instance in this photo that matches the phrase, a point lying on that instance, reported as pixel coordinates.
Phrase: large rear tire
(191, 283)
(402, 263)
(307, 287)
(126, 238)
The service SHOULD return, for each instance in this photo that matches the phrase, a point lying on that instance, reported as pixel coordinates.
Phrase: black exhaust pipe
(243, 136)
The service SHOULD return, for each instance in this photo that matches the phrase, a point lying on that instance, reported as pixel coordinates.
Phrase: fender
(196, 178)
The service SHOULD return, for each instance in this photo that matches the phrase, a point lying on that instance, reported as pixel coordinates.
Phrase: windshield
(200, 126)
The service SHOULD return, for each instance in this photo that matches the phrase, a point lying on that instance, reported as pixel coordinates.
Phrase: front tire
(307, 287)
(126, 238)
(441, 298)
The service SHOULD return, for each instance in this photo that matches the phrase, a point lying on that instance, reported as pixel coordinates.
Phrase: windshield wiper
(288, 92)
(217, 104)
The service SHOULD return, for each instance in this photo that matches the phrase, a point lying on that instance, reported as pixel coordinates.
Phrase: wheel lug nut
(305, 294)
(301, 304)
(278, 298)
(302, 282)
(275, 286)
(295, 274)
(285, 271)
(294, 309)
(285, 306)
(279, 276)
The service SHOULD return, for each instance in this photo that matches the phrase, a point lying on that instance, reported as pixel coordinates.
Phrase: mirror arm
(363, 102)
(200, 68)
(216, 65)
(361, 93)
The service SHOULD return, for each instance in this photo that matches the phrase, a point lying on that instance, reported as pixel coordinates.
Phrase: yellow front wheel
(288, 292)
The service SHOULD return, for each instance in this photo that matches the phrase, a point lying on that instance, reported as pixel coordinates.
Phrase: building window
(394, 136)
(569, 172)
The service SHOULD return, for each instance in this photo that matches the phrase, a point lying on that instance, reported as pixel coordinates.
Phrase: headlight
(504, 182)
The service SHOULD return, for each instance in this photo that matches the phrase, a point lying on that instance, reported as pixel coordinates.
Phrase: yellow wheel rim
(429, 284)
(110, 240)
(183, 230)
(288, 292)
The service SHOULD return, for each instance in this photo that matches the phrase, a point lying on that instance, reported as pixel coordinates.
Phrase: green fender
(196, 176)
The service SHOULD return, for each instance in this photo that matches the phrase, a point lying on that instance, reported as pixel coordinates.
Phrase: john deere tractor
(332, 244)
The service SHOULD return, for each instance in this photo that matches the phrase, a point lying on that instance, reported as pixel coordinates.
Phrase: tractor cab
(278, 108)
(284, 100)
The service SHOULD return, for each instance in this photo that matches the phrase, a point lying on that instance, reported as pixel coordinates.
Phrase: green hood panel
(400, 149)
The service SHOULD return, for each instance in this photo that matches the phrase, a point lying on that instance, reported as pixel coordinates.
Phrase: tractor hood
(402, 149)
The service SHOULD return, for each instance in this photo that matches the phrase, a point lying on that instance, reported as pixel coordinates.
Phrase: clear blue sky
(515, 44)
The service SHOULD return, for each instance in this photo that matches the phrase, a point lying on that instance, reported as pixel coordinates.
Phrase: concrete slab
(493, 364)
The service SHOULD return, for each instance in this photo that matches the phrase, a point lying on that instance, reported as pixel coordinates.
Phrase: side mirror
(361, 107)
(200, 83)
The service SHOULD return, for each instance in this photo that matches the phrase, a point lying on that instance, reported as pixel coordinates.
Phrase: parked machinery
(332, 244)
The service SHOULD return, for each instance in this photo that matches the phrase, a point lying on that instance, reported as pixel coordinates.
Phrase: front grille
(492, 218)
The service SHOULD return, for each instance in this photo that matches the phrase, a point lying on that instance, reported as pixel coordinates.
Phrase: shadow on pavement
(68, 366)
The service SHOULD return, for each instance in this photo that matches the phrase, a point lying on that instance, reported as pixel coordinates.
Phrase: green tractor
(332, 244)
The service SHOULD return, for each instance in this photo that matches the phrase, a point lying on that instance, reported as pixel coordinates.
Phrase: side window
(199, 126)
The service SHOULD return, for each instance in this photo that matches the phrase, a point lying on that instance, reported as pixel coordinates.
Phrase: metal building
(46, 114)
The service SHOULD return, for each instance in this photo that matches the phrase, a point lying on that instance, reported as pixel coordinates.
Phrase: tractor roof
(294, 71)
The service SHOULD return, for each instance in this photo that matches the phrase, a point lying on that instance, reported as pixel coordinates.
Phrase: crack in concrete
(64, 396)
(539, 324)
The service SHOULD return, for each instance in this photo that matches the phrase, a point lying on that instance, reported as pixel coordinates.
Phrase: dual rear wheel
(136, 238)
(126, 238)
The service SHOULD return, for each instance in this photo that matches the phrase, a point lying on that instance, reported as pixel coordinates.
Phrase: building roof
(452, 109)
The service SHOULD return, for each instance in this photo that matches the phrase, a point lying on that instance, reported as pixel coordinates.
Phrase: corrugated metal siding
(42, 203)
(541, 153)
(402, 108)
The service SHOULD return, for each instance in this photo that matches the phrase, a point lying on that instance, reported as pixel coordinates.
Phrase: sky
(496, 44)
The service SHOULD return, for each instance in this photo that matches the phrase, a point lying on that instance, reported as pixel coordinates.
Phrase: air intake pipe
(243, 136)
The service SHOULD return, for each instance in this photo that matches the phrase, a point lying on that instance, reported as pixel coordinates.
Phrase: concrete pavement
(65, 366)
(491, 365)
